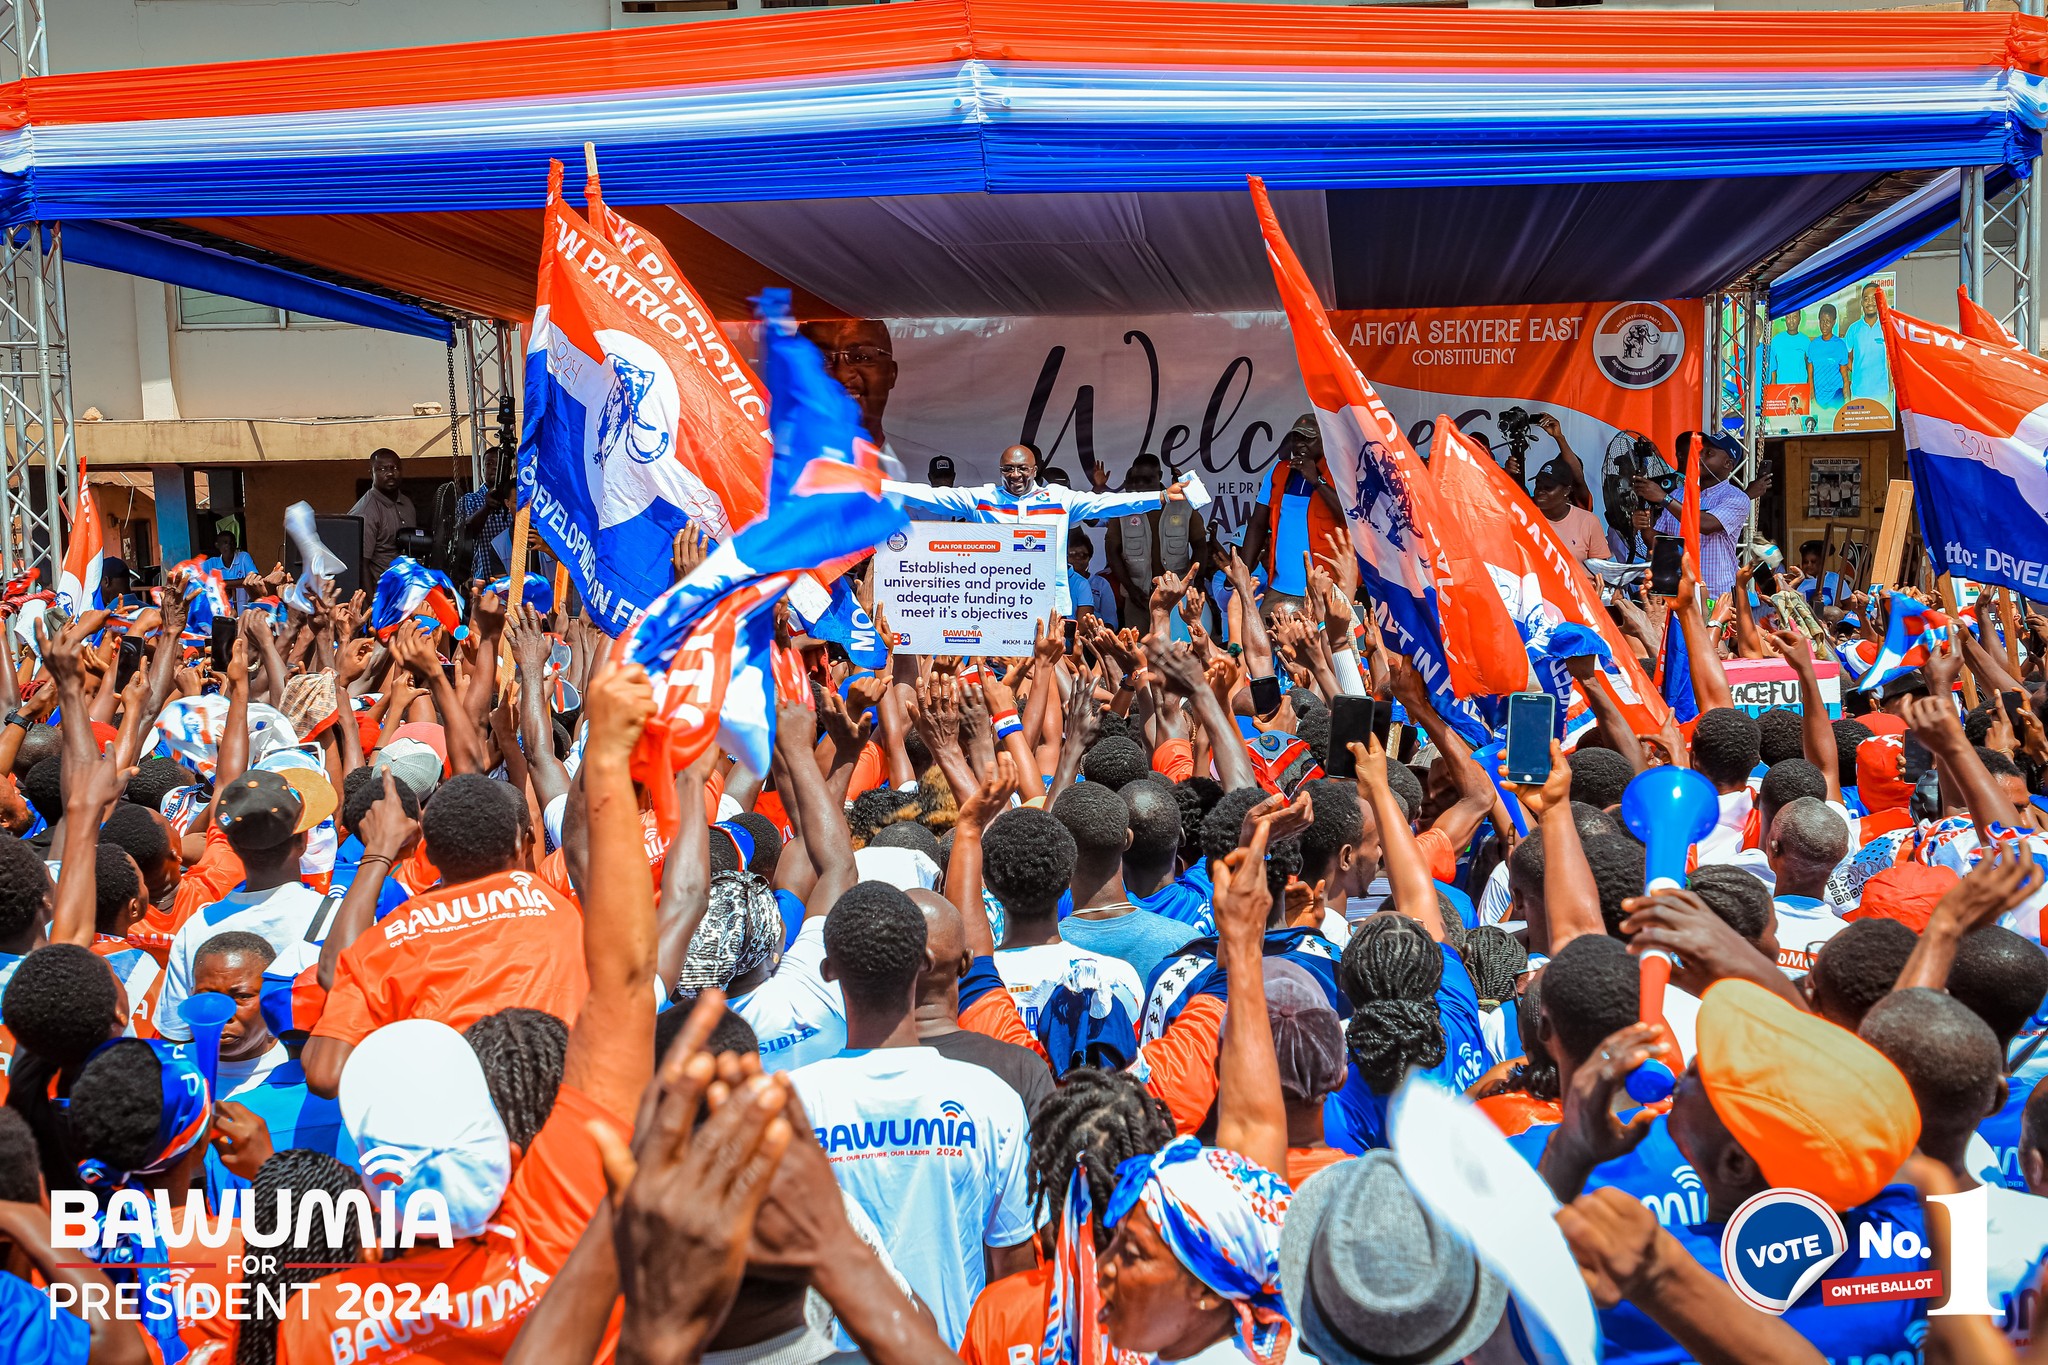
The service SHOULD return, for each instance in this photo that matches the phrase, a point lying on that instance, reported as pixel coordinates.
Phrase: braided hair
(301, 1172)
(1390, 971)
(1099, 1119)
(1537, 1072)
(521, 1051)
(1495, 960)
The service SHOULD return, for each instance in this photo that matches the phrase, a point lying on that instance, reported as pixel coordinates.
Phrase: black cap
(941, 464)
(259, 810)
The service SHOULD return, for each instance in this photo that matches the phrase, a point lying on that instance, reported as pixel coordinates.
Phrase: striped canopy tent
(1000, 157)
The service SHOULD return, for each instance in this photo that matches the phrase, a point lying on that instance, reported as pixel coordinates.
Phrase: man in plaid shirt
(1723, 509)
(485, 513)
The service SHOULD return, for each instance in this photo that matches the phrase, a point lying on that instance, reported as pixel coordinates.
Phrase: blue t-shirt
(1078, 590)
(35, 1333)
(1829, 355)
(1355, 1119)
(1142, 938)
(2002, 1129)
(295, 1116)
(1656, 1174)
(792, 917)
(1870, 373)
(348, 860)
(1788, 356)
(1183, 900)
(1884, 1333)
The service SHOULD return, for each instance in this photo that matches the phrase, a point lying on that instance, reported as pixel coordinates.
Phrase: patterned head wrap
(1221, 1215)
(187, 1110)
(1072, 1334)
(742, 929)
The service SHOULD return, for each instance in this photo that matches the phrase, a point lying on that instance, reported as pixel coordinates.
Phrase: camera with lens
(1514, 424)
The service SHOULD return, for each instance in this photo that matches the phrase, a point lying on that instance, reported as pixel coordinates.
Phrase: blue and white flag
(845, 623)
(1911, 637)
(1975, 416)
(539, 594)
(707, 642)
(632, 433)
(410, 589)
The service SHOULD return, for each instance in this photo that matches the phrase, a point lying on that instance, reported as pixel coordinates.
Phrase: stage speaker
(344, 536)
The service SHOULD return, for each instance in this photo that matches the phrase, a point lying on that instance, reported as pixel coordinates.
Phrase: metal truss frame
(489, 348)
(39, 472)
(1737, 324)
(1991, 269)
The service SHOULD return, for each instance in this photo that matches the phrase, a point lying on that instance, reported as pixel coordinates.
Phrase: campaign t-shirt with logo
(1030, 974)
(1656, 1174)
(797, 1014)
(1804, 923)
(1887, 1331)
(936, 1152)
(279, 917)
(1355, 1119)
(1829, 355)
(457, 953)
(493, 1280)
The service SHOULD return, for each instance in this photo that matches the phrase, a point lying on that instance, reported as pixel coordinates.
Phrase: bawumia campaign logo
(632, 453)
(953, 1128)
(1029, 539)
(1638, 345)
(1778, 1245)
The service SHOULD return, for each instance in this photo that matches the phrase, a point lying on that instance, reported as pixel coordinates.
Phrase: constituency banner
(1216, 392)
(1824, 368)
(1588, 376)
(1760, 684)
(963, 588)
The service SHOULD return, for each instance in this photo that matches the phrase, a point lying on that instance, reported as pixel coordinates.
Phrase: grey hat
(1371, 1277)
(411, 762)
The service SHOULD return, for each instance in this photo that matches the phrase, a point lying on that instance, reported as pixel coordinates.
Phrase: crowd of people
(1047, 1009)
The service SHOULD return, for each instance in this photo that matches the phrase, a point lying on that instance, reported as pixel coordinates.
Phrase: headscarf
(1221, 1215)
(742, 929)
(180, 1125)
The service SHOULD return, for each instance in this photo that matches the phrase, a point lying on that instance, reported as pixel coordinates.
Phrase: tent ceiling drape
(1056, 155)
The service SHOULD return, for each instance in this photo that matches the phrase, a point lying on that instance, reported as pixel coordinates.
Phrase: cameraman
(1724, 507)
(484, 513)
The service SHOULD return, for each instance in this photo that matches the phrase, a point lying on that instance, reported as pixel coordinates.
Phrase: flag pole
(2008, 614)
(1956, 623)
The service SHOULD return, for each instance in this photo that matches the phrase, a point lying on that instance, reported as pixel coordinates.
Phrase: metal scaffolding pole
(489, 348)
(39, 478)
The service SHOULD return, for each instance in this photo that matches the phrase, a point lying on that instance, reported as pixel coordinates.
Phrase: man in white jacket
(1019, 499)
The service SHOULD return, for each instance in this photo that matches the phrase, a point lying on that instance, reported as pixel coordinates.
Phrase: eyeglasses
(854, 355)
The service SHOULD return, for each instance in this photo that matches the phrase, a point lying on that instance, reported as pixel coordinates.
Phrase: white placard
(965, 588)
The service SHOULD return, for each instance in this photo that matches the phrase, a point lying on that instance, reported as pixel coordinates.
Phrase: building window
(199, 311)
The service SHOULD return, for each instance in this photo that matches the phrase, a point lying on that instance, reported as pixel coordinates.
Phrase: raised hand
(618, 704)
(1555, 790)
(992, 798)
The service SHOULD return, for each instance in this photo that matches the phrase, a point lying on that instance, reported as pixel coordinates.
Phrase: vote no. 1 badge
(1778, 1245)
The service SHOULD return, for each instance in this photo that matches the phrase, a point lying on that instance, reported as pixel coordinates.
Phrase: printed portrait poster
(1822, 368)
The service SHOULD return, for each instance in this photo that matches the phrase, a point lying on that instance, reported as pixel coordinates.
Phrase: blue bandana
(187, 1110)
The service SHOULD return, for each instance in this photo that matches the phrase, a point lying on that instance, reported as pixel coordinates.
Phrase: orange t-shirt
(870, 771)
(1303, 1162)
(218, 871)
(458, 953)
(493, 1281)
(1437, 852)
(1007, 1324)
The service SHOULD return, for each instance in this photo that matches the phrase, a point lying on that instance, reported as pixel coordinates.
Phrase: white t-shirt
(797, 1014)
(1725, 840)
(1803, 925)
(936, 1151)
(1032, 973)
(279, 916)
(2018, 1237)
